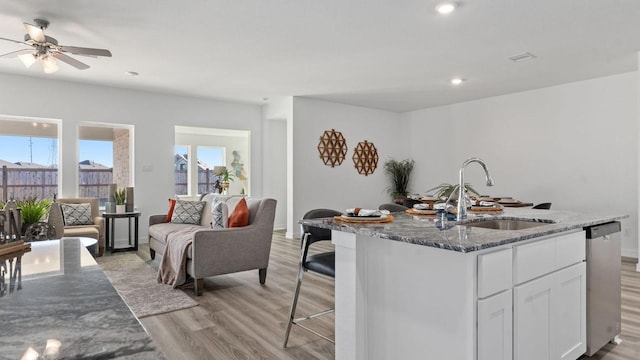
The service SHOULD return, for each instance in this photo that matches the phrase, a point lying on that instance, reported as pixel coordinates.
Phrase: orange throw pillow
(240, 216)
(172, 205)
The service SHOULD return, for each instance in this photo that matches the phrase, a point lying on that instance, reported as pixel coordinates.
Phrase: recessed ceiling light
(445, 8)
(132, 73)
(457, 81)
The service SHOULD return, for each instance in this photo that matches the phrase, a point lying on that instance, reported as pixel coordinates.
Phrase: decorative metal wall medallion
(365, 158)
(332, 148)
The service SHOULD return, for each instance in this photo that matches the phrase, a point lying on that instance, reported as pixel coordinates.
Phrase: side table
(109, 224)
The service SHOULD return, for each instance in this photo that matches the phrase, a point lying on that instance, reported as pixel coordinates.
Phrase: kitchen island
(408, 290)
(56, 303)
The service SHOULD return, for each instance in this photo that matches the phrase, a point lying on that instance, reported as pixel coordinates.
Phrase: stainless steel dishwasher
(603, 285)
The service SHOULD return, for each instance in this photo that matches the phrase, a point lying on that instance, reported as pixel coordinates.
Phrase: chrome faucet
(462, 207)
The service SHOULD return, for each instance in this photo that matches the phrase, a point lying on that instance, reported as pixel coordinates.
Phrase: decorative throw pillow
(187, 212)
(219, 215)
(76, 214)
(240, 216)
(172, 204)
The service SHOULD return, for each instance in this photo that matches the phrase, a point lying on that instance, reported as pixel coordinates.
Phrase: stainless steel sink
(508, 224)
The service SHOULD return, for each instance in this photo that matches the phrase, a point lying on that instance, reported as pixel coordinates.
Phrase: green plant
(445, 190)
(400, 174)
(32, 209)
(227, 176)
(120, 196)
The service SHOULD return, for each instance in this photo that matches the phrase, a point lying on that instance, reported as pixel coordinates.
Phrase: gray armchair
(95, 231)
(222, 251)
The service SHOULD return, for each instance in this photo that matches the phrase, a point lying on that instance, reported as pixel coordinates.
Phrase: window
(104, 152)
(212, 149)
(208, 159)
(181, 167)
(28, 159)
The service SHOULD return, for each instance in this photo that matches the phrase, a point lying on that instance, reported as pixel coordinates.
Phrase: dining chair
(545, 206)
(323, 264)
(392, 207)
(410, 202)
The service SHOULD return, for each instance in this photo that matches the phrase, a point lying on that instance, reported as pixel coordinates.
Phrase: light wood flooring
(239, 319)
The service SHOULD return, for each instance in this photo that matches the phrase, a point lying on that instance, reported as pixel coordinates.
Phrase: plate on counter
(413, 211)
(363, 218)
(508, 201)
(486, 209)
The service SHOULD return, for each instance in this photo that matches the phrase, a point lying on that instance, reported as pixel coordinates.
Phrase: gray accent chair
(222, 251)
(95, 231)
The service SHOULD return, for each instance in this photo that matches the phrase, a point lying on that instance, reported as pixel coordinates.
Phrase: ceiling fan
(47, 50)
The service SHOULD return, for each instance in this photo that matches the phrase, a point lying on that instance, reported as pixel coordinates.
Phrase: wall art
(365, 158)
(332, 148)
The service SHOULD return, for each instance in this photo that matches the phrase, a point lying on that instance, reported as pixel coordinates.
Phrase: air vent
(522, 57)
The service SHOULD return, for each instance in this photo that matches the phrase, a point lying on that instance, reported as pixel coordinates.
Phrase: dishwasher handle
(600, 230)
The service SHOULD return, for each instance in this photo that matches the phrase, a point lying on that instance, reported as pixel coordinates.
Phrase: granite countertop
(422, 230)
(64, 299)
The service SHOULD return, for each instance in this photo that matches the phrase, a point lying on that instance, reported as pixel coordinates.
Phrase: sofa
(220, 251)
(95, 230)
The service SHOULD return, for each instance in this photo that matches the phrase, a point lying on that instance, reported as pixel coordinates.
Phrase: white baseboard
(632, 253)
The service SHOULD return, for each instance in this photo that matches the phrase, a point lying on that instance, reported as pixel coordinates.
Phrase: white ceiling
(397, 55)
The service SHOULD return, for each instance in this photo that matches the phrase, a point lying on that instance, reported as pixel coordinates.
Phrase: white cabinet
(569, 314)
(549, 316)
(531, 300)
(532, 320)
(495, 327)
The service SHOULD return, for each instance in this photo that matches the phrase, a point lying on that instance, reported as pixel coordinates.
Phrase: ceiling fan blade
(69, 60)
(16, 53)
(14, 41)
(35, 32)
(86, 51)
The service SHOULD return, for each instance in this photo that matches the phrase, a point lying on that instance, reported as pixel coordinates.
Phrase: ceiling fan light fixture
(49, 65)
(27, 59)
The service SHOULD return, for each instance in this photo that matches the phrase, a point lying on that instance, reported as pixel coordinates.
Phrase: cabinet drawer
(542, 257)
(570, 249)
(494, 272)
(534, 260)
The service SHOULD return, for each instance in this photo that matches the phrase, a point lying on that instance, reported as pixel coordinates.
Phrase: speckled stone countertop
(63, 298)
(422, 230)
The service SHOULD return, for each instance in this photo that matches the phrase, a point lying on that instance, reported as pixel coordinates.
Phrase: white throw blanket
(173, 270)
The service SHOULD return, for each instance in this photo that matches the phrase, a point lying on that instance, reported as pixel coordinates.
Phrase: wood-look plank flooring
(239, 319)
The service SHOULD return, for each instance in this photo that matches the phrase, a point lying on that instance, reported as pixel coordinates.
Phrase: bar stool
(323, 264)
(545, 206)
(392, 207)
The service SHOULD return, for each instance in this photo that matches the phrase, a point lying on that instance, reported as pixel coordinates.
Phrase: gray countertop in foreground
(64, 297)
(422, 230)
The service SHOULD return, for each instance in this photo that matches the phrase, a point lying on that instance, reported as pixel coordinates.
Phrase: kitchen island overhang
(410, 290)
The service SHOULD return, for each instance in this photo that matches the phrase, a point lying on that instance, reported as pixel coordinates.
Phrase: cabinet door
(569, 314)
(532, 320)
(495, 327)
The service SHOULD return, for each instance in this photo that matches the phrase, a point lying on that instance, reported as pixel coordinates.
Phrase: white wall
(316, 185)
(153, 115)
(574, 145)
(277, 114)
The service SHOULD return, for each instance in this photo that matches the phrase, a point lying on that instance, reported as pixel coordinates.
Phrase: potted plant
(227, 176)
(120, 196)
(400, 174)
(444, 190)
(33, 210)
